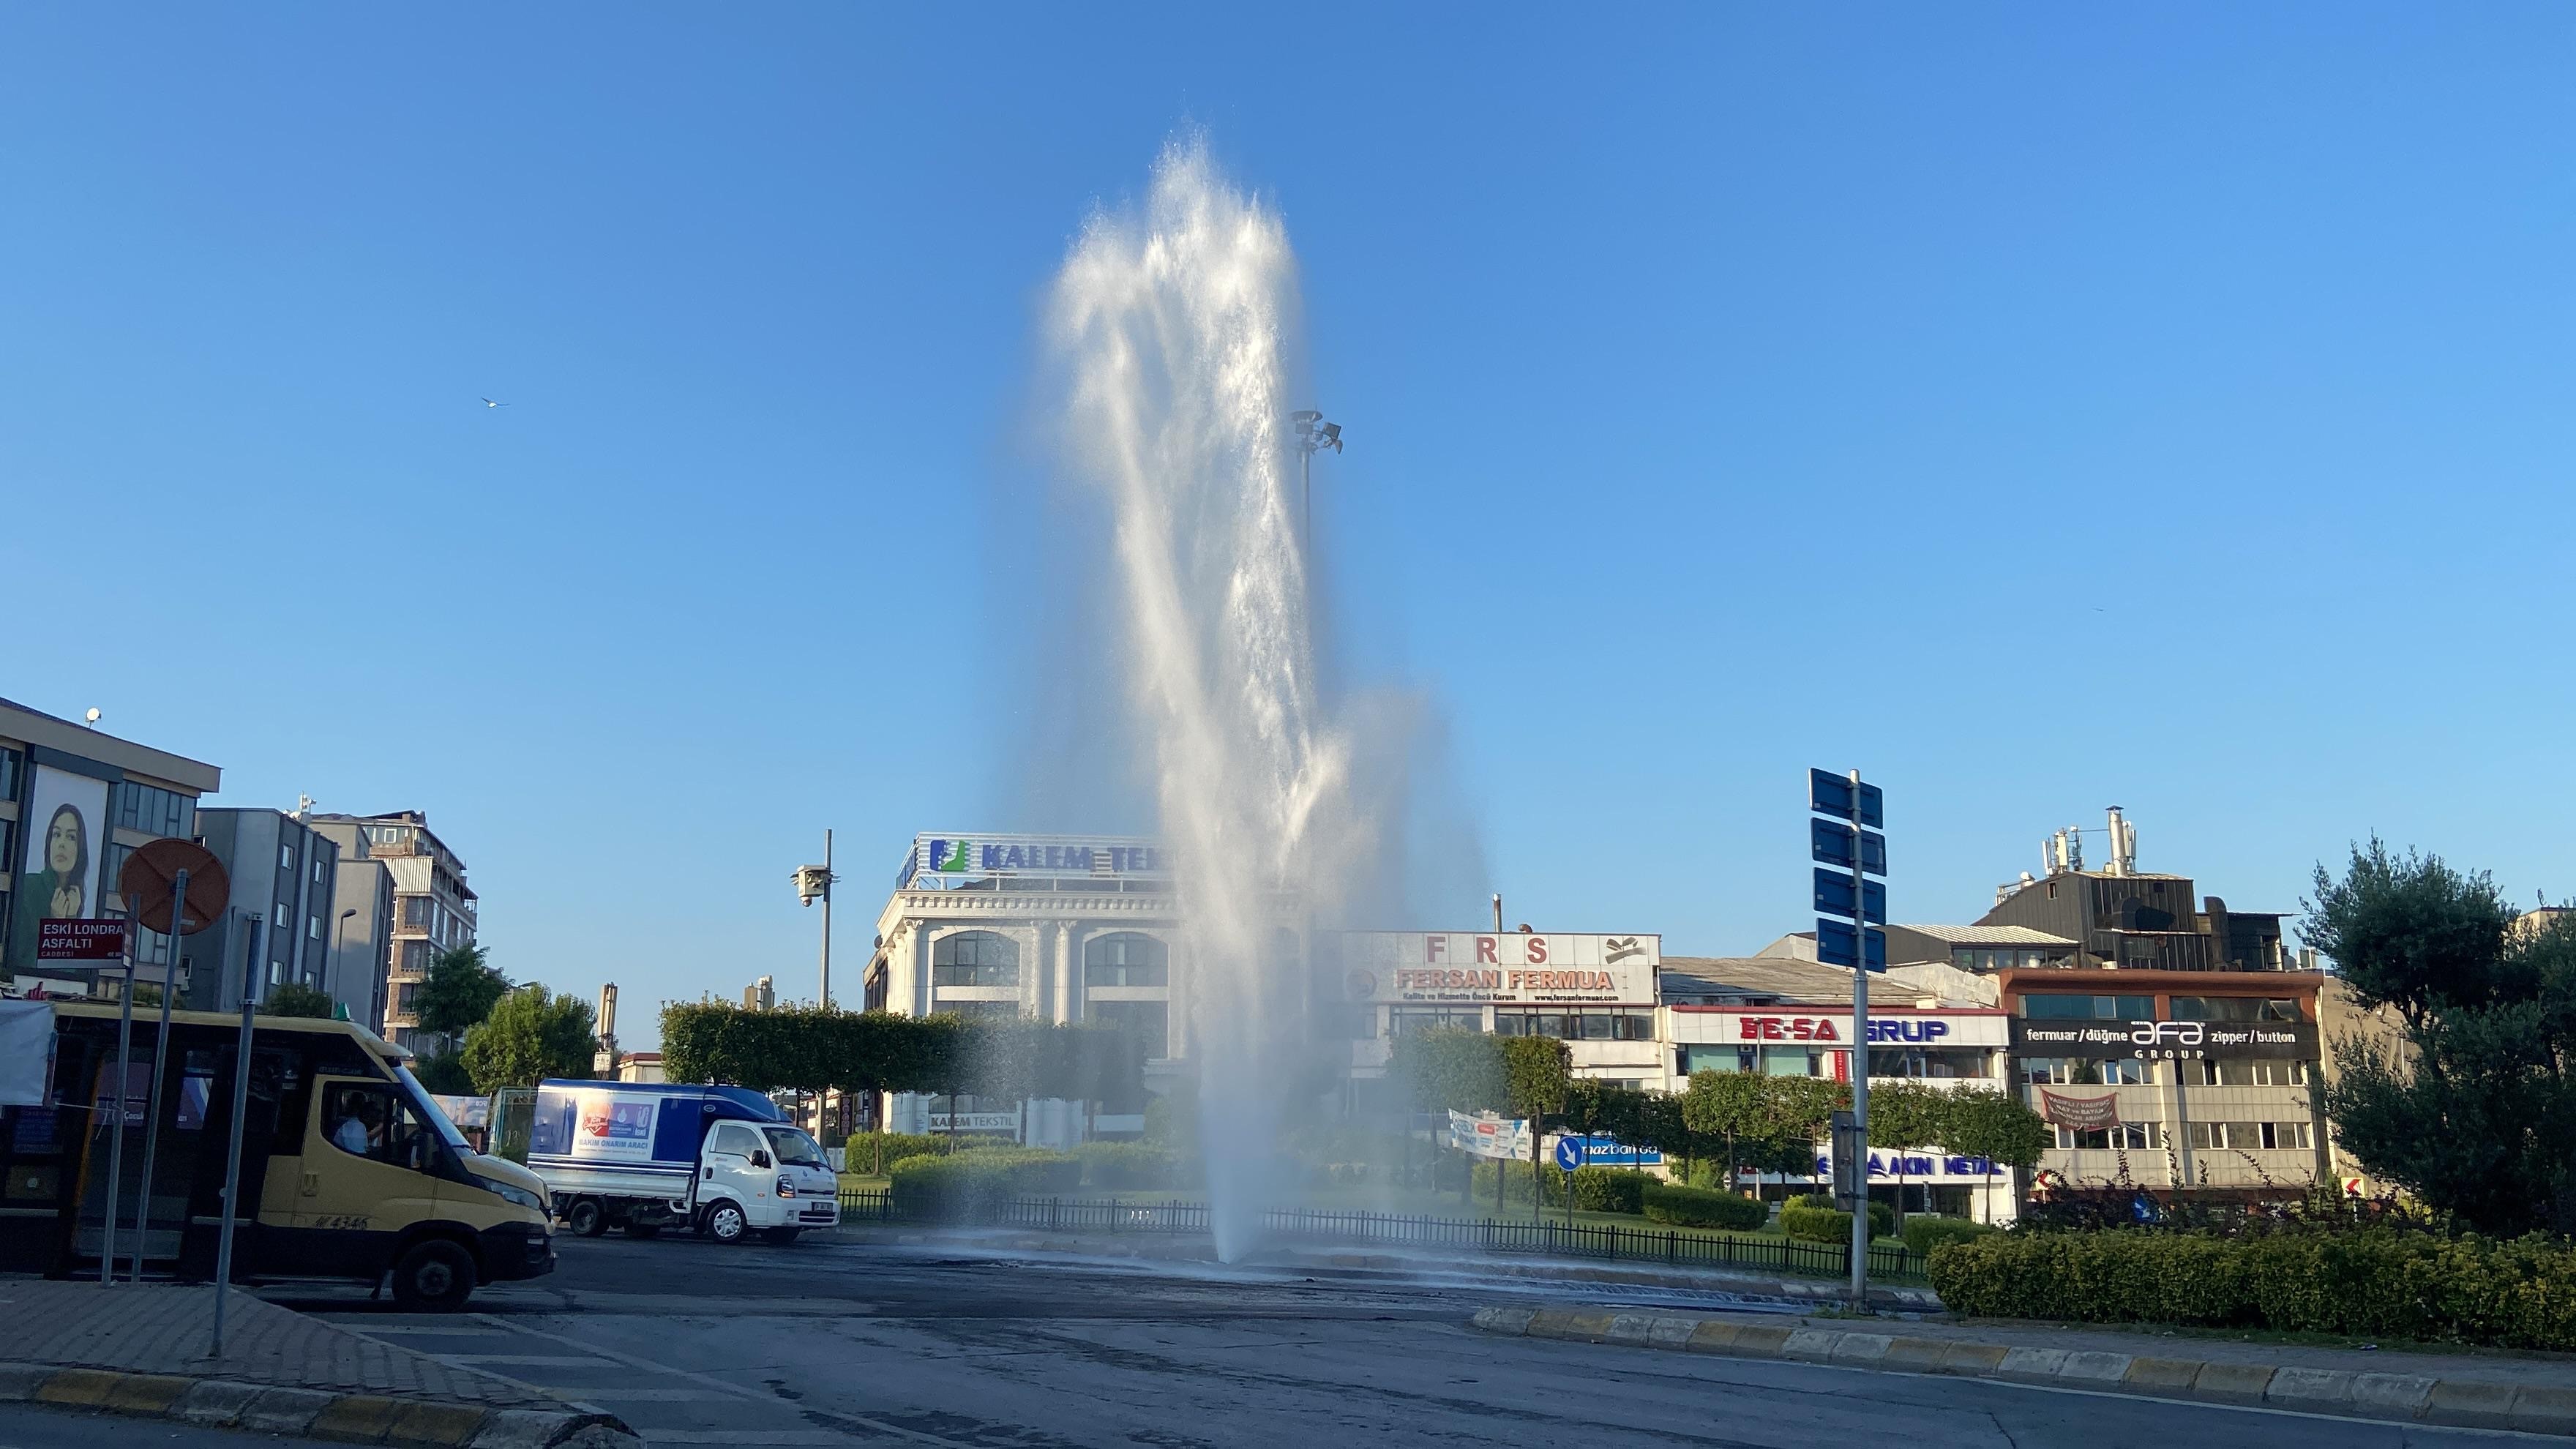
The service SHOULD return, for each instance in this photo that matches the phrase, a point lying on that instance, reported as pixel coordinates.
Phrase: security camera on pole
(1859, 848)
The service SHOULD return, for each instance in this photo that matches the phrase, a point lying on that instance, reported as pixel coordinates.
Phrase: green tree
(2476, 1115)
(294, 998)
(443, 1073)
(1538, 1072)
(530, 1035)
(1729, 1108)
(461, 989)
(1905, 1114)
(1985, 1122)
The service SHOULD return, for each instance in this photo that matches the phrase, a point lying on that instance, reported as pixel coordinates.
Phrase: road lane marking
(528, 1360)
(652, 1396)
(743, 1437)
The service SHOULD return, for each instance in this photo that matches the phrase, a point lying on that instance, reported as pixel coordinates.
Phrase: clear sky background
(2036, 409)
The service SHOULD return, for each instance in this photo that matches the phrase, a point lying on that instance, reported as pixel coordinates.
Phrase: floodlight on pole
(1312, 433)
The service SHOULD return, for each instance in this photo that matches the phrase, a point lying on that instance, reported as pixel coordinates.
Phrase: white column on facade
(1065, 957)
(921, 968)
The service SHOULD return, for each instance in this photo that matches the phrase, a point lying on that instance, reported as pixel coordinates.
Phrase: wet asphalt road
(822, 1345)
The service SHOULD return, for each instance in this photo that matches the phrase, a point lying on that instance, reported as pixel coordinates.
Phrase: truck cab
(646, 1156)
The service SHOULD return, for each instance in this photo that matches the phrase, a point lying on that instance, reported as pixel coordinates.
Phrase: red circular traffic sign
(152, 870)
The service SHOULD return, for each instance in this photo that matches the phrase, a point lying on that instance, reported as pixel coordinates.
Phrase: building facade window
(2066, 1006)
(2252, 1136)
(1151, 1021)
(1126, 958)
(417, 911)
(155, 811)
(12, 765)
(2234, 1008)
(979, 1010)
(1404, 1020)
(1612, 1025)
(2128, 1136)
(2083, 1072)
(975, 958)
(1939, 1063)
(2245, 1072)
(415, 956)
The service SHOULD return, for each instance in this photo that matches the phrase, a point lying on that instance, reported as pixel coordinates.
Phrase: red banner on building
(2084, 1114)
(75, 940)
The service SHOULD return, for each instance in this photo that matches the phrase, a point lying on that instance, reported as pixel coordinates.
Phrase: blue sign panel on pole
(1834, 896)
(1832, 794)
(1831, 844)
(1836, 945)
(1569, 1153)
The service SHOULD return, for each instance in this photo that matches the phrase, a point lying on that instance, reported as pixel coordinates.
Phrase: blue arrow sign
(1837, 946)
(1831, 844)
(1569, 1153)
(1834, 895)
(1832, 794)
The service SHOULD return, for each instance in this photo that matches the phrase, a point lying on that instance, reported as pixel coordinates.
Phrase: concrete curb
(2401, 1398)
(310, 1413)
(1747, 1282)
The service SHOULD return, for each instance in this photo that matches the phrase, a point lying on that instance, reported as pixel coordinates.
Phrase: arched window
(1126, 958)
(975, 958)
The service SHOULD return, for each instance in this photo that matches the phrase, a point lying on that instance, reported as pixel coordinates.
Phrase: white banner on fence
(1490, 1136)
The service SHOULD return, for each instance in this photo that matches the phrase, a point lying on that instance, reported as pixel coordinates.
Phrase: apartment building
(431, 907)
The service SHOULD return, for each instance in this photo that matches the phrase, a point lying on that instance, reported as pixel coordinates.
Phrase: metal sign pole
(160, 1057)
(1860, 1063)
(116, 1143)
(232, 1159)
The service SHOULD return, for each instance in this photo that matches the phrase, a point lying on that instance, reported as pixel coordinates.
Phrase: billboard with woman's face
(64, 823)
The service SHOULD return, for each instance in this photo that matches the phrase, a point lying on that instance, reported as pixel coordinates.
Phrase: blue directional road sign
(1834, 895)
(1569, 1153)
(1831, 794)
(1833, 846)
(1836, 945)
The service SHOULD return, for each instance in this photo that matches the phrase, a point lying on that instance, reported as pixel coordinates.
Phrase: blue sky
(2036, 409)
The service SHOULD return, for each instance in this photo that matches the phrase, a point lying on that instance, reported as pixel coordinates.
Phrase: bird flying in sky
(487, 402)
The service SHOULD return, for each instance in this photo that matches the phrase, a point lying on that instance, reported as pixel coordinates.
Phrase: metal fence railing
(1486, 1235)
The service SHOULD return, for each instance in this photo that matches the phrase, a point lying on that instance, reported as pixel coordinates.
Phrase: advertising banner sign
(2164, 1040)
(610, 1126)
(2084, 1114)
(976, 1121)
(1511, 967)
(1607, 1152)
(76, 940)
(64, 822)
(1489, 1136)
(1921, 1164)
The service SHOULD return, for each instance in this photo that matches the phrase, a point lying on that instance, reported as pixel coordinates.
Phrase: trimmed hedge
(1610, 1190)
(2380, 1284)
(1815, 1218)
(1126, 1164)
(1923, 1232)
(1693, 1207)
(863, 1148)
(1516, 1183)
(952, 1184)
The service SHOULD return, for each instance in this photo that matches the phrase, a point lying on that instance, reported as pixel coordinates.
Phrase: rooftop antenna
(92, 717)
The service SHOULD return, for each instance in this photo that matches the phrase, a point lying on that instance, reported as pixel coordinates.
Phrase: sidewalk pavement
(141, 1349)
(2535, 1393)
(1413, 1262)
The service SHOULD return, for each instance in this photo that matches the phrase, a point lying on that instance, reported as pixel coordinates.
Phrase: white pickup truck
(646, 1156)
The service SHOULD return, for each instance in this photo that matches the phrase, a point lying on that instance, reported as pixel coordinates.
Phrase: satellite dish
(92, 717)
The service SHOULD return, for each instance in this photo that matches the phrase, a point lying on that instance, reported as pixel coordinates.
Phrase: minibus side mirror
(760, 1159)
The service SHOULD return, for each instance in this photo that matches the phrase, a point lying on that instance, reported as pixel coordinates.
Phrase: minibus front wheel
(434, 1277)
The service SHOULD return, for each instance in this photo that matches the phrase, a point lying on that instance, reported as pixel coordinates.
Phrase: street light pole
(1312, 433)
(827, 918)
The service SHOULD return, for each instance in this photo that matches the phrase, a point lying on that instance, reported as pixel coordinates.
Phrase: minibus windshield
(427, 1106)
